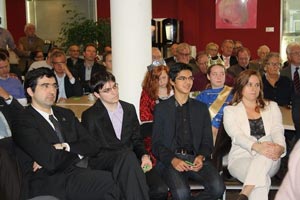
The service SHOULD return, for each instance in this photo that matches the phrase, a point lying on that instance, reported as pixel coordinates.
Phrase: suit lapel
(243, 118)
(49, 132)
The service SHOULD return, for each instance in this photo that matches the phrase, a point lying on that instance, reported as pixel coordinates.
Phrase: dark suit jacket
(35, 137)
(72, 90)
(10, 111)
(235, 70)
(232, 60)
(75, 66)
(296, 114)
(164, 138)
(81, 73)
(287, 72)
(98, 123)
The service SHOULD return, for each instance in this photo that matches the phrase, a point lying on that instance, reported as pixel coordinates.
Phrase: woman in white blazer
(257, 134)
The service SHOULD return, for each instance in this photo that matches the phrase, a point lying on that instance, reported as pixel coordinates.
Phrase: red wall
(198, 20)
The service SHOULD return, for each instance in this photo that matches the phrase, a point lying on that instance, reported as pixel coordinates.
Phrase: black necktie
(57, 128)
(297, 81)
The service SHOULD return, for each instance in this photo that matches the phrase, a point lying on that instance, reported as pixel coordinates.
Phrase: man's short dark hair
(89, 45)
(176, 68)
(99, 79)
(32, 77)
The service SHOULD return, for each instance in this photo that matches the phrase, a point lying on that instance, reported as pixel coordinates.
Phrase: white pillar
(3, 14)
(131, 45)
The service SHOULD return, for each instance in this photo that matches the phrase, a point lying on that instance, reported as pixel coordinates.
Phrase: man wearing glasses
(74, 61)
(68, 83)
(53, 147)
(115, 126)
(182, 140)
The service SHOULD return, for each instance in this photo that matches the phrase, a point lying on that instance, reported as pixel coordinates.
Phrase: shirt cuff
(72, 80)
(9, 100)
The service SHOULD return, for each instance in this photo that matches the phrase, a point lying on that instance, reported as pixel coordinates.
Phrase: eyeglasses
(183, 78)
(184, 54)
(108, 90)
(297, 53)
(48, 85)
(274, 64)
(58, 63)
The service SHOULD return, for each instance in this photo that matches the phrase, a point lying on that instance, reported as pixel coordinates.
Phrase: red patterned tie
(297, 81)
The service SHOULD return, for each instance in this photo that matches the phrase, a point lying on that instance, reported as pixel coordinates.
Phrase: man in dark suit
(243, 58)
(293, 54)
(226, 56)
(114, 124)
(182, 140)
(54, 145)
(73, 62)
(89, 67)
(68, 83)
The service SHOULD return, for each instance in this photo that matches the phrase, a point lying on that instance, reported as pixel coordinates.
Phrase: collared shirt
(293, 69)
(6, 39)
(116, 118)
(88, 71)
(61, 85)
(182, 126)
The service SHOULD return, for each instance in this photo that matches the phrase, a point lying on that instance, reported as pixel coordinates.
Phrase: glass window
(290, 14)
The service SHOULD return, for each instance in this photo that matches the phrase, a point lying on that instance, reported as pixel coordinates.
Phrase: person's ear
(97, 95)
(29, 91)
(207, 76)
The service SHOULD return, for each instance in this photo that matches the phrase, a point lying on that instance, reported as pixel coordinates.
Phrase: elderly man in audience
(171, 60)
(68, 83)
(89, 67)
(44, 63)
(277, 88)
(11, 84)
(226, 53)
(292, 70)
(243, 58)
(28, 44)
(262, 52)
(212, 49)
(183, 55)
(74, 61)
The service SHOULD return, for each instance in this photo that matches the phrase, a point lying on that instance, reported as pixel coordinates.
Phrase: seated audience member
(9, 108)
(262, 52)
(44, 63)
(296, 114)
(172, 59)
(11, 84)
(107, 61)
(182, 140)
(212, 49)
(243, 58)
(183, 55)
(37, 56)
(257, 134)
(104, 121)
(276, 87)
(293, 55)
(218, 95)
(226, 53)
(53, 146)
(236, 45)
(289, 188)
(14, 69)
(27, 44)
(156, 88)
(89, 67)
(68, 83)
(201, 81)
(74, 61)
(157, 57)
